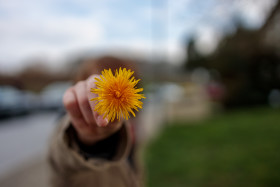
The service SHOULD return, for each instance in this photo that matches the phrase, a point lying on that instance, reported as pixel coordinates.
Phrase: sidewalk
(33, 173)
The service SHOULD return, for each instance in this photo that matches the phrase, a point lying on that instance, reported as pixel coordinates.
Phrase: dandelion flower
(117, 94)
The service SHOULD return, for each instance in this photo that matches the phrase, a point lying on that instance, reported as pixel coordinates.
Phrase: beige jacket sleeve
(70, 168)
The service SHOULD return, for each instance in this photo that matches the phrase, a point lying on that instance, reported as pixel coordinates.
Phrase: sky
(53, 30)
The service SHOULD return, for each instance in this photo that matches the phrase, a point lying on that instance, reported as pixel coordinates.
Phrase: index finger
(98, 118)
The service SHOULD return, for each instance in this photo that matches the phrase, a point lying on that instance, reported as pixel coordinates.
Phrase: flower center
(117, 94)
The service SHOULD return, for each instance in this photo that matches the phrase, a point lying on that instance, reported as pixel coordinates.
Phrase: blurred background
(210, 70)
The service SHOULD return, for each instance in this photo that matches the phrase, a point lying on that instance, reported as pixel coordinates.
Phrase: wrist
(89, 139)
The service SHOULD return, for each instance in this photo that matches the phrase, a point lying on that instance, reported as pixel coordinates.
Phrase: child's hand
(90, 126)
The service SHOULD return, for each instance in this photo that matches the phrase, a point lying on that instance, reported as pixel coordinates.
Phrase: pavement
(23, 145)
(33, 172)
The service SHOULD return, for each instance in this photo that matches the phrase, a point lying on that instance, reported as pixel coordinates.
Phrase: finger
(100, 120)
(90, 83)
(72, 107)
(83, 102)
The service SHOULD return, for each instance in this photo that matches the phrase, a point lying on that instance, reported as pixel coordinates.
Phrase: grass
(240, 148)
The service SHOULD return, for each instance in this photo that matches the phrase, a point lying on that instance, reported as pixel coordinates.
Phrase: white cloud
(207, 39)
(28, 29)
(53, 37)
(254, 11)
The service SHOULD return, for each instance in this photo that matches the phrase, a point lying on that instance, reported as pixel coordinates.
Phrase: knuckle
(69, 99)
(79, 84)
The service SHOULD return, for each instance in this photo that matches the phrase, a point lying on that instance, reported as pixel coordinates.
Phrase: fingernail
(102, 122)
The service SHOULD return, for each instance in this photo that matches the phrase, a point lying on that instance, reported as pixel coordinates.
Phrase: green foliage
(240, 148)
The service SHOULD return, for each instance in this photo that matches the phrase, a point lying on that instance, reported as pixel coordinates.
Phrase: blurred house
(34, 77)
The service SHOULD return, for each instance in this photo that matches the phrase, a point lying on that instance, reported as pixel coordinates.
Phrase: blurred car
(51, 96)
(12, 102)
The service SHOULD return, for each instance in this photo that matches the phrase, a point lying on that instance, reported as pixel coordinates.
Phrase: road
(23, 140)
